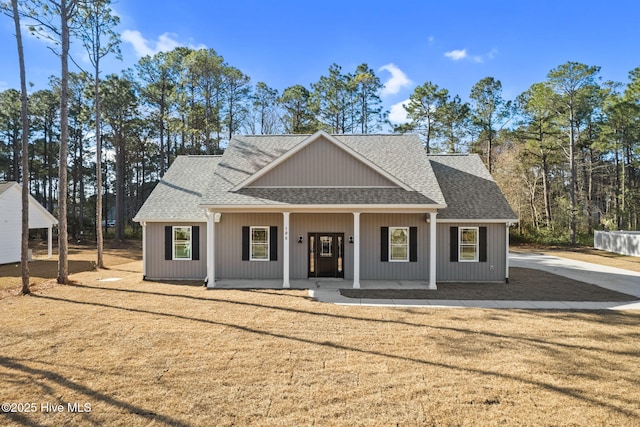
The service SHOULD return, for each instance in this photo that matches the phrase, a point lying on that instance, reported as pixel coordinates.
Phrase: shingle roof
(401, 156)
(461, 182)
(469, 189)
(178, 194)
(336, 196)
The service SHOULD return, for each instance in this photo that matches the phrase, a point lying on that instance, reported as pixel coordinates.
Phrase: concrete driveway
(615, 279)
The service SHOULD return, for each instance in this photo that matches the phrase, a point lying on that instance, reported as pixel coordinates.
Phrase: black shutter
(413, 244)
(245, 243)
(453, 241)
(195, 243)
(482, 240)
(384, 244)
(273, 243)
(168, 242)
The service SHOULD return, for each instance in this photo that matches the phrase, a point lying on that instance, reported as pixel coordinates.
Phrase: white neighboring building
(11, 221)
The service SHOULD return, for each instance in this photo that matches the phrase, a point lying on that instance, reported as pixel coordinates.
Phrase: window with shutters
(182, 243)
(259, 243)
(468, 243)
(398, 244)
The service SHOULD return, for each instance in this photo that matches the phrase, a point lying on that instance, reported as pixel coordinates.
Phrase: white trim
(324, 186)
(478, 221)
(476, 244)
(364, 208)
(211, 246)
(190, 221)
(356, 250)
(286, 243)
(408, 244)
(50, 240)
(144, 248)
(307, 141)
(432, 250)
(173, 243)
(506, 253)
(251, 228)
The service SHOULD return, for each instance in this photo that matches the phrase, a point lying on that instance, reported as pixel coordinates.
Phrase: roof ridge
(200, 155)
(309, 134)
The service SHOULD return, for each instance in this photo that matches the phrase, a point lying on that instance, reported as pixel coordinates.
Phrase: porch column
(49, 240)
(211, 245)
(144, 249)
(285, 261)
(432, 250)
(356, 250)
(506, 254)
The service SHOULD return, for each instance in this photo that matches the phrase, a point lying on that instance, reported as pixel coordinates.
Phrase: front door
(326, 254)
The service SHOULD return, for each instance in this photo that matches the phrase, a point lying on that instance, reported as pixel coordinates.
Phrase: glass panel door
(326, 254)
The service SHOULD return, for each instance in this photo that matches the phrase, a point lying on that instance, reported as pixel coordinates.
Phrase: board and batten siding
(302, 224)
(371, 266)
(322, 164)
(229, 263)
(493, 270)
(228, 236)
(158, 268)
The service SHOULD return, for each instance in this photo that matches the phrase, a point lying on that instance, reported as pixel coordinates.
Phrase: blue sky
(451, 43)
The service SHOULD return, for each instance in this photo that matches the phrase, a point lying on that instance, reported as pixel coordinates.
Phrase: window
(259, 244)
(468, 244)
(398, 243)
(182, 243)
(326, 243)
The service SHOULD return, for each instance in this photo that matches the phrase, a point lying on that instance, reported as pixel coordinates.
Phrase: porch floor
(320, 284)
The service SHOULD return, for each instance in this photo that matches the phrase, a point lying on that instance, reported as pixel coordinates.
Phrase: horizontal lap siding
(228, 236)
(159, 268)
(491, 271)
(303, 224)
(370, 265)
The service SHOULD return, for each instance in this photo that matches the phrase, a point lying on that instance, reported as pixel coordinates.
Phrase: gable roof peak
(310, 139)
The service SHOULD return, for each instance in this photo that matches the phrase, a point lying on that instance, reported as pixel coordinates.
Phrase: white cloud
(481, 58)
(456, 55)
(397, 113)
(397, 81)
(165, 42)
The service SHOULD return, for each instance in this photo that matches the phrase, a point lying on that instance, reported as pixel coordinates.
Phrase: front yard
(141, 353)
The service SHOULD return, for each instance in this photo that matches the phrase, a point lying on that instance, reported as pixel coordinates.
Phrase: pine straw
(144, 353)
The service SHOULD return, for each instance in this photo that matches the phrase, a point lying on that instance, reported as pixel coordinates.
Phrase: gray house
(353, 207)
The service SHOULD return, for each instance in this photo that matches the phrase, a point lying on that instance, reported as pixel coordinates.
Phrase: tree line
(565, 151)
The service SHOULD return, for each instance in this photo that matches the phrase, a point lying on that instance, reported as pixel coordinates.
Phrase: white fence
(620, 242)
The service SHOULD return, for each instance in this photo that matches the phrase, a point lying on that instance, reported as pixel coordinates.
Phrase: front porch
(356, 249)
(319, 283)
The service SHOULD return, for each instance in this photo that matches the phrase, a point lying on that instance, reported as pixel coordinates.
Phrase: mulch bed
(524, 285)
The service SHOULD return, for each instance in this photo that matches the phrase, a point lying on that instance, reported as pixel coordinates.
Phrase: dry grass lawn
(147, 353)
(81, 258)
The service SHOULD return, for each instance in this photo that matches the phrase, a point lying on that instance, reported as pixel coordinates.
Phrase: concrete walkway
(616, 279)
